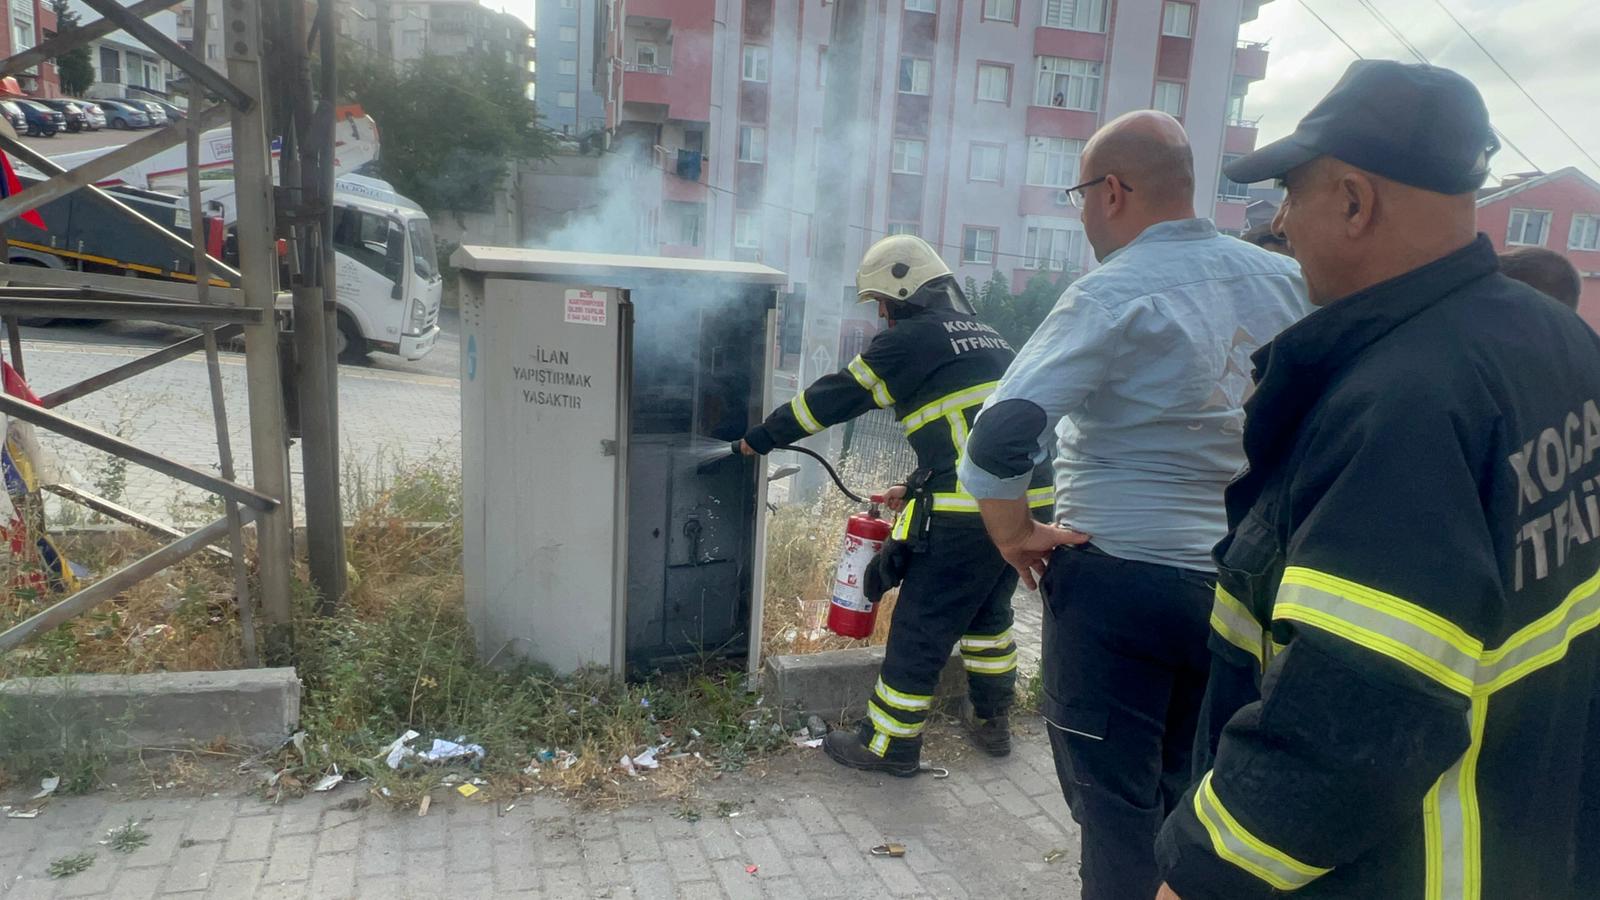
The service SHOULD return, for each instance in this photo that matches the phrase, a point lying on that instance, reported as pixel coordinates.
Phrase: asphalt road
(443, 361)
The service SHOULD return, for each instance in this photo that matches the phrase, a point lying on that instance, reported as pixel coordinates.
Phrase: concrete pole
(258, 267)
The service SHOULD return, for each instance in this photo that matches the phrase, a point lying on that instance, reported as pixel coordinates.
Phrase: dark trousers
(957, 590)
(1124, 671)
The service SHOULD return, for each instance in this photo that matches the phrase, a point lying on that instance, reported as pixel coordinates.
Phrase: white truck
(388, 280)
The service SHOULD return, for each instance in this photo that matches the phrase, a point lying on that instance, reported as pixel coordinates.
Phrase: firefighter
(1404, 631)
(934, 365)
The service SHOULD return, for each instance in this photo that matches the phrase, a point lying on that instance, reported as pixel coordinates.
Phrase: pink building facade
(1559, 211)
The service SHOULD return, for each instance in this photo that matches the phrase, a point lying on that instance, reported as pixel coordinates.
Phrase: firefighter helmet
(896, 269)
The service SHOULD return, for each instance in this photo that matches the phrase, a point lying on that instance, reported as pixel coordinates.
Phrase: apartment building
(1559, 211)
(568, 46)
(973, 116)
(29, 22)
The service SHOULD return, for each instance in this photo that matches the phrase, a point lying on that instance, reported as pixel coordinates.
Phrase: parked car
(42, 120)
(97, 116)
(14, 115)
(174, 114)
(153, 110)
(124, 115)
(77, 119)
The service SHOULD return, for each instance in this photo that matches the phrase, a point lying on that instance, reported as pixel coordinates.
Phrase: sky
(1550, 46)
(522, 8)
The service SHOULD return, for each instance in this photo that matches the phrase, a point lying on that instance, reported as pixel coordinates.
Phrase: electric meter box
(606, 523)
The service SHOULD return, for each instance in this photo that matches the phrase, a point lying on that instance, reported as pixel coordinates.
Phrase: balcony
(1055, 121)
(646, 68)
(1250, 60)
(1240, 137)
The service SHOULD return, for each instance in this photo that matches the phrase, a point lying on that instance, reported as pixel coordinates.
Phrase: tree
(1016, 316)
(75, 68)
(451, 128)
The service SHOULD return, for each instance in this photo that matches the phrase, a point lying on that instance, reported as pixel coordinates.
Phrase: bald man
(1144, 363)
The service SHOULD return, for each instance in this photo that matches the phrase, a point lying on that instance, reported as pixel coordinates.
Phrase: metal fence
(875, 442)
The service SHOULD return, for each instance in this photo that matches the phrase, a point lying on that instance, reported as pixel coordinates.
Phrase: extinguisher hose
(838, 482)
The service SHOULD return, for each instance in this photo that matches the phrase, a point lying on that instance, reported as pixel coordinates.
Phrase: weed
(726, 809)
(67, 866)
(686, 812)
(127, 838)
(38, 739)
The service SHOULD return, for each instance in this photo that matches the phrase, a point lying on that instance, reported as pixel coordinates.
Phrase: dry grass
(803, 544)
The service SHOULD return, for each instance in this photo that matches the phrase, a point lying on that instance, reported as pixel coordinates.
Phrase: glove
(887, 570)
(759, 440)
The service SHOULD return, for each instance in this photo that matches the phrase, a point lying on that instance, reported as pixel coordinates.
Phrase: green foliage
(1016, 316)
(74, 68)
(451, 128)
(127, 838)
(66, 866)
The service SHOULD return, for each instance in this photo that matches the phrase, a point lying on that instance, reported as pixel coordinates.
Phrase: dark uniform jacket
(1407, 599)
(935, 369)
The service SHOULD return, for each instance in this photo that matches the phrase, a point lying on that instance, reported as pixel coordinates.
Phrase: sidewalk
(804, 822)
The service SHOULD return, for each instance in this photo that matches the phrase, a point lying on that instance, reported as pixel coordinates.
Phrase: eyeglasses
(1077, 195)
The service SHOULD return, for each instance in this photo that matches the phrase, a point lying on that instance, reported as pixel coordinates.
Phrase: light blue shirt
(1145, 365)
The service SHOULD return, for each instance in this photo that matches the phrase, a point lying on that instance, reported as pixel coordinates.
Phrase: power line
(1330, 30)
(1513, 80)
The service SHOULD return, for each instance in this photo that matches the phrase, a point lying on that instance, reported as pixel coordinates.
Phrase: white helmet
(896, 267)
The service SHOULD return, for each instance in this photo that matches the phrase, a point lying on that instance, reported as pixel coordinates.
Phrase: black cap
(1418, 125)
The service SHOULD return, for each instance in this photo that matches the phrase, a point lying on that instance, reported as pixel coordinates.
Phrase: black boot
(847, 748)
(992, 736)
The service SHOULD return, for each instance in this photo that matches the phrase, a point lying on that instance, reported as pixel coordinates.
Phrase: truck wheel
(349, 345)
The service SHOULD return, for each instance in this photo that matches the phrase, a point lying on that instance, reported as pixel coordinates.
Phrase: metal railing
(246, 306)
(647, 68)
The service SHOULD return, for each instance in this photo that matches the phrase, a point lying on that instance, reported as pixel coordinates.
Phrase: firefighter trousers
(957, 590)
(1124, 669)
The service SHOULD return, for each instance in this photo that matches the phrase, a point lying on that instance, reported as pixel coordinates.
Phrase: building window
(685, 222)
(757, 62)
(569, 66)
(1078, 15)
(1052, 248)
(569, 34)
(977, 246)
(1169, 98)
(22, 31)
(904, 228)
(1000, 10)
(1529, 227)
(567, 99)
(916, 75)
(1053, 162)
(644, 54)
(1177, 19)
(822, 66)
(926, 6)
(1068, 83)
(752, 143)
(213, 51)
(994, 83)
(1585, 233)
(1227, 188)
(110, 65)
(910, 157)
(986, 162)
(746, 231)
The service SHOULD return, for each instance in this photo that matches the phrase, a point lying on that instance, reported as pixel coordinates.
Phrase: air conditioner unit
(1063, 198)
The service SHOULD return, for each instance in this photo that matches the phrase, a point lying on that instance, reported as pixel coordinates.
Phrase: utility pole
(306, 172)
(834, 209)
(258, 265)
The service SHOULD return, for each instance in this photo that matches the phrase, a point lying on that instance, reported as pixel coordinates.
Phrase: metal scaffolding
(264, 42)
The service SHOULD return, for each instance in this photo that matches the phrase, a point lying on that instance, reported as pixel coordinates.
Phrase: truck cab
(389, 284)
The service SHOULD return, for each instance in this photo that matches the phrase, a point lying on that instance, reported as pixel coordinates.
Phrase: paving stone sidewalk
(805, 824)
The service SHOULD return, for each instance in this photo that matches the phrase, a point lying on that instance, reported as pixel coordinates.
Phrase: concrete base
(836, 684)
(249, 708)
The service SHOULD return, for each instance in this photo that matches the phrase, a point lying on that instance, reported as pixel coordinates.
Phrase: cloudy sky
(1550, 46)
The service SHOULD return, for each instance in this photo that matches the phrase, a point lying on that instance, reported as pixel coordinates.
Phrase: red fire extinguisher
(851, 614)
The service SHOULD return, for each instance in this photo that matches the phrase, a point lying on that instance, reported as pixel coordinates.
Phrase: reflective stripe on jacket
(1410, 589)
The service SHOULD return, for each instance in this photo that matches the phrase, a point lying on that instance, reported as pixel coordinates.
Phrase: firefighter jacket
(934, 369)
(1410, 573)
